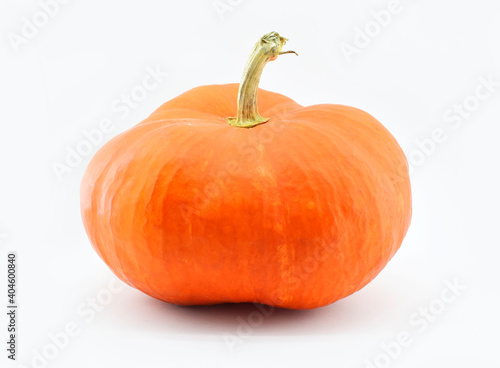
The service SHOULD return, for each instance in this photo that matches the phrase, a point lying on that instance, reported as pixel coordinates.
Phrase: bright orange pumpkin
(295, 210)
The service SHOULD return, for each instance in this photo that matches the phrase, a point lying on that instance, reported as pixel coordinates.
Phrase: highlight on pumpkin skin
(268, 48)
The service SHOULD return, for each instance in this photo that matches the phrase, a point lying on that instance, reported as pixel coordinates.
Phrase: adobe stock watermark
(122, 106)
(419, 322)
(31, 26)
(249, 151)
(255, 319)
(87, 311)
(453, 118)
(364, 36)
(248, 325)
(222, 7)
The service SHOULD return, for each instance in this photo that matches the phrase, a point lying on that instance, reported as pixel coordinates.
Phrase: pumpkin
(222, 197)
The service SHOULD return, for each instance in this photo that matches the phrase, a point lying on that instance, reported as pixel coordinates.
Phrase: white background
(426, 61)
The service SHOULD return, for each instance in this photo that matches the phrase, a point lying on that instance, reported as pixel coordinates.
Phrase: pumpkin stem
(268, 48)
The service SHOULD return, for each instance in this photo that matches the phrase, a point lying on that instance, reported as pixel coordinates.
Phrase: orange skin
(297, 212)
